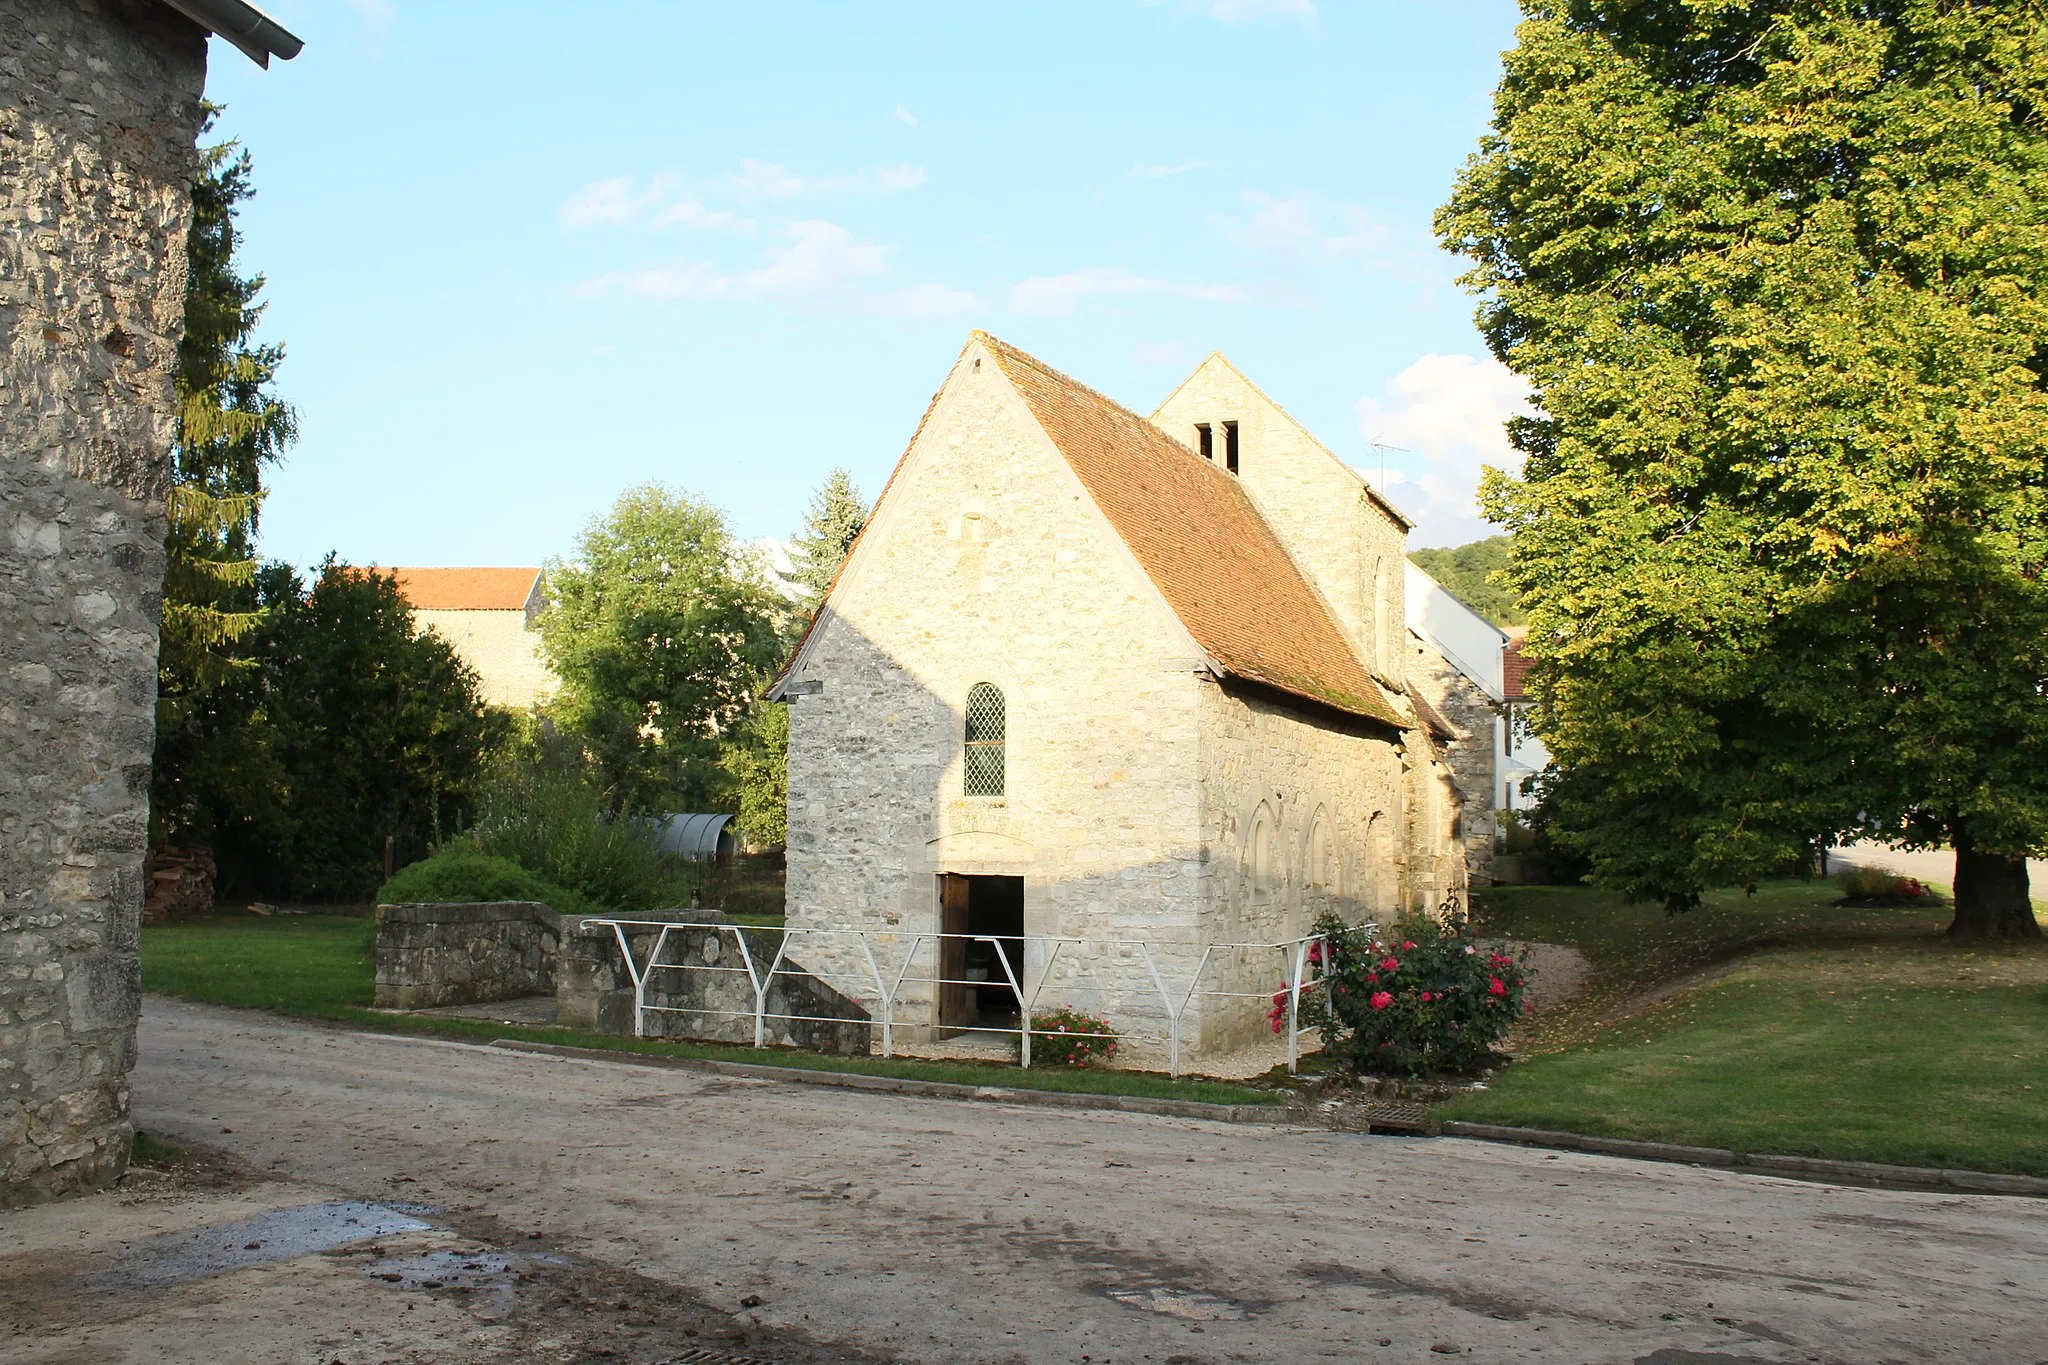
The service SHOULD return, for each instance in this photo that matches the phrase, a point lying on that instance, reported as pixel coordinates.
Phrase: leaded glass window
(984, 776)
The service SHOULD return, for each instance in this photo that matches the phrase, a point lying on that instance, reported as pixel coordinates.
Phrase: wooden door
(953, 899)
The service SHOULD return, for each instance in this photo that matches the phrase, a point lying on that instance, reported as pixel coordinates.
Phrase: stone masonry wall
(711, 996)
(987, 562)
(464, 954)
(99, 111)
(1299, 815)
(1472, 759)
(503, 648)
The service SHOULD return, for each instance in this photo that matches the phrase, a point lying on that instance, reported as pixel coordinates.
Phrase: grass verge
(321, 967)
(1837, 1032)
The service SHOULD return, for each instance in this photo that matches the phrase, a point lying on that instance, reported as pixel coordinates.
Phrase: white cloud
(885, 180)
(1447, 416)
(1309, 230)
(1160, 172)
(1160, 352)
(818, 262)
(680, 280)
(1247, 11)
(931, 301)
(905, 116)
(758, 179)
(623, 201)
(1058, 295)
(664, 200)
(821, 257)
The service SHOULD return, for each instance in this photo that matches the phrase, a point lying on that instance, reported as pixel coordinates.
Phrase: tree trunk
(1991, 895)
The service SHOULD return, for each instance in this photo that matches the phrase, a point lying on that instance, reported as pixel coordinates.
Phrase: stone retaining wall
(433, 955)
(593, 990)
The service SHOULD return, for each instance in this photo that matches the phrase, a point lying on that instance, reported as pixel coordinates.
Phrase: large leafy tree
(376, 730)
(211, 763)
(1778, 275)
(662, 629)
(834, 518)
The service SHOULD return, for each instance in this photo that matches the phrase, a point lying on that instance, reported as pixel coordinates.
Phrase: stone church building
(1095, 676)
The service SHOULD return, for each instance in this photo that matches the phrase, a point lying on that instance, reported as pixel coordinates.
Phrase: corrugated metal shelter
(697, 838)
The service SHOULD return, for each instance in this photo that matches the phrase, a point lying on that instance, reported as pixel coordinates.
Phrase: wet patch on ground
(353, 1282)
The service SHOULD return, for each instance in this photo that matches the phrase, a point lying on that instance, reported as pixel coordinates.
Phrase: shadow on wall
(902, 822)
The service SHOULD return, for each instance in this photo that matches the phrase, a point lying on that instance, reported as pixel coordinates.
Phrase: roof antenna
(1382, 447)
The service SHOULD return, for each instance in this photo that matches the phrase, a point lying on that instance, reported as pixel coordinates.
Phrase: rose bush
(1421, 999)
(1068, 1037)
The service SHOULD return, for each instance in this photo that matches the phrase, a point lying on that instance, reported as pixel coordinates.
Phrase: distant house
(488, 616)
(1457, 668)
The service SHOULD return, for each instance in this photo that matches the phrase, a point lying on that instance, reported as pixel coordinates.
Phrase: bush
(1876, 886)
(1067, 1037)
(548, 815)
(1421, 999)
(459, 873)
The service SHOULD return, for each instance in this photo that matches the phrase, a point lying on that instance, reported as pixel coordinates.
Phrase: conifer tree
(230, 425)
(835, 517)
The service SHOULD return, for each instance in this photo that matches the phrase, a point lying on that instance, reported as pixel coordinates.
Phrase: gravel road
(944, 1231)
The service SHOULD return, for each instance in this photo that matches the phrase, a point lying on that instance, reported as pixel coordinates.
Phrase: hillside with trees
(1468, 572)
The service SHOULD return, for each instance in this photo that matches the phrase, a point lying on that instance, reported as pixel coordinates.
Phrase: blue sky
(520, 264)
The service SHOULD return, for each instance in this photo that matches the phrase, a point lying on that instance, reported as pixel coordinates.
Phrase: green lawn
(322, 967)
(1859, 1034)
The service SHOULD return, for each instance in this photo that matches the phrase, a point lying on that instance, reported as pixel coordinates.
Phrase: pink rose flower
(1495, 987)
(1380, 1000)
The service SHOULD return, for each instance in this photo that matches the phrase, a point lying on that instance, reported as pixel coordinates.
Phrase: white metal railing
(1300, 961)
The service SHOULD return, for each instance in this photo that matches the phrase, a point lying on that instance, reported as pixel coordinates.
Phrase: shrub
(459, 873)
(1068, 1037)
(549, 816)
(1876, 886)
(1421, 999)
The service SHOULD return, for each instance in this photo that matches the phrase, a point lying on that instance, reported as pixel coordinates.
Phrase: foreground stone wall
(99, 111)
(713, 993)
(433, 955)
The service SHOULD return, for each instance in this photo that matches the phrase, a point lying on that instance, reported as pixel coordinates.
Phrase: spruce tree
(230, 424)
(835, 517)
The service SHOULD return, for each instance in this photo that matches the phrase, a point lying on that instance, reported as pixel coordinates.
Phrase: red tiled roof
(1514, 668)
(465, 589)
(1202, 541)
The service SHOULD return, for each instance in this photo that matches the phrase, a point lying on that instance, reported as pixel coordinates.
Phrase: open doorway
(976, 992)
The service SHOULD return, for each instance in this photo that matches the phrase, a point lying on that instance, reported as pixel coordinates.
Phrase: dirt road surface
(943, 1231)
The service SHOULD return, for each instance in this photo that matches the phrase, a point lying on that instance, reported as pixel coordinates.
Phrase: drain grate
(704, 1355)
(1399, 1118)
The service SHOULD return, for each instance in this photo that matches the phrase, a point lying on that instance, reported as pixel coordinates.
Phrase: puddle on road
(175, 1257)
(1180, 1303)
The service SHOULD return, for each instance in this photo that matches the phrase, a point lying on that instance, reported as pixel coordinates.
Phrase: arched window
(984, 775)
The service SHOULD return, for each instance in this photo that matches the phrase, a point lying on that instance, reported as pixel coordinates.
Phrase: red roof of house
(1514, 668)
(466, 589)
(1202, 541)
